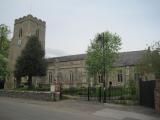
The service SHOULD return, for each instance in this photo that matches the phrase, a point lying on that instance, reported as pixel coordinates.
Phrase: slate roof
(124, 58)
(129, 58)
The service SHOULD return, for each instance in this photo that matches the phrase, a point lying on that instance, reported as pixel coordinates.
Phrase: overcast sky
(71, 24)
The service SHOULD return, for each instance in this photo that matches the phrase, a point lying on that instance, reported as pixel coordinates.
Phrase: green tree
(150, 62)
(102, 53)
(4, 47)
(31, 62)
(4, 41)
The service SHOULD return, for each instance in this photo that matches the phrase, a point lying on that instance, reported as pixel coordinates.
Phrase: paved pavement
(22, 109)
(123, 115)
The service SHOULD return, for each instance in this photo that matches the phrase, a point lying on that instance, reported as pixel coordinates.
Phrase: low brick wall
(48, 96)
(157, 96)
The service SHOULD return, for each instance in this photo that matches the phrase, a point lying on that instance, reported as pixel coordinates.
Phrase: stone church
(69, 70)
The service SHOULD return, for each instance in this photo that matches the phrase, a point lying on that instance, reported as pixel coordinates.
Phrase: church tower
(23, 28)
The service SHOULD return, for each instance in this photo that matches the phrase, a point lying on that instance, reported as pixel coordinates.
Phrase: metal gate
(147, 93)
(124, 94)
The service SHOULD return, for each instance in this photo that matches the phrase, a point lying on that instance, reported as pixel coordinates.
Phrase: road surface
(22, 109)
(12, 109)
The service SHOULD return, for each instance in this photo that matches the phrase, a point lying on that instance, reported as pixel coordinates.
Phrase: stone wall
(69, 73)
(157, 96)
(48, 96)
(73, 74)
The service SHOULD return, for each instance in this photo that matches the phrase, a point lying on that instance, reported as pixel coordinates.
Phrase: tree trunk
(94, 80)
(29, 82)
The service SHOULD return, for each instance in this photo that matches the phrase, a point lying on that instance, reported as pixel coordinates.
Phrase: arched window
(59, 76)
(50, 77)
(71, 78)
(120, 76)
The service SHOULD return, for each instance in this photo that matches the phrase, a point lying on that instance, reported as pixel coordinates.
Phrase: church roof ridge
(67, 58)
(124, 59)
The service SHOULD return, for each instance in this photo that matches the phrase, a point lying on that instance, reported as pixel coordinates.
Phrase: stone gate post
(157, 95)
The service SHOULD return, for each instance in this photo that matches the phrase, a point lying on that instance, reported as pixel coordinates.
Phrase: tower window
(20, 32)
(37, 33)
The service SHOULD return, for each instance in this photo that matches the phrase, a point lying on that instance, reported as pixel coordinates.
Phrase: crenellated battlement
(30, 17)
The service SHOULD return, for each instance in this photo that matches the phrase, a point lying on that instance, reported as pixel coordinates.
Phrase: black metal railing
(124, 94)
